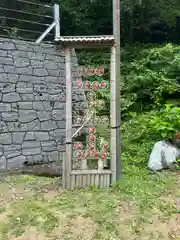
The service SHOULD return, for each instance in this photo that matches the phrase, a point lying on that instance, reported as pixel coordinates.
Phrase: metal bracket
(46, 32)
(55, 24)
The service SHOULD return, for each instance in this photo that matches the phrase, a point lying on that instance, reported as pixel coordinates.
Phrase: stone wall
(32, 102)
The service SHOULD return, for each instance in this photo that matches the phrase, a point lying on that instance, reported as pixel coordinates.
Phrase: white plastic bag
(162, 156)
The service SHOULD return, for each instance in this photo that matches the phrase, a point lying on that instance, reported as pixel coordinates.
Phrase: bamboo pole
(115, 95)
(67, 165)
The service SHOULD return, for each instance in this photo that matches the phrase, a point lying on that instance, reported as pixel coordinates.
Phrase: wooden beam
(93, 171)
(68, 158)
(85, 46)
(115, 95)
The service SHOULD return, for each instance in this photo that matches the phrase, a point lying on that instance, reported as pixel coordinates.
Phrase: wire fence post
(57, 20)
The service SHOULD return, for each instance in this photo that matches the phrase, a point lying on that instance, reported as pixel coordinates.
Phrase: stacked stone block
(32, 102)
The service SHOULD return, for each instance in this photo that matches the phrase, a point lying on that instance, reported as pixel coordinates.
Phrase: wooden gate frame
(99, 178)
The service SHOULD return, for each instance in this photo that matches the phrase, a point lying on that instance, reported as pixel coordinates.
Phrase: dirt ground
(35, 208)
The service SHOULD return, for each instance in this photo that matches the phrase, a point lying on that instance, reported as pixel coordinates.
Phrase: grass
(139, 206)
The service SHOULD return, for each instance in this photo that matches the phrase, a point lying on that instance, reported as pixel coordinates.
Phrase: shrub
(166, 122)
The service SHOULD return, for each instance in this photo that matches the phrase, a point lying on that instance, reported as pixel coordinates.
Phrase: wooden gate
(84, 177)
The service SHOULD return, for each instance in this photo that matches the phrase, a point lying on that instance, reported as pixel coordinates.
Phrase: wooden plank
(105, 180)
(76, 181)
(100, 165)
(101, 180)
(85, 172)
(88, 180)
(92, 176)
(63, 171)
(93, 46)
(83, 181)
(84, 164)
(96, 180)
(67, 165)
(73, 181)
(108, 181)
(115, 95)
(113, 113)
(79, 181)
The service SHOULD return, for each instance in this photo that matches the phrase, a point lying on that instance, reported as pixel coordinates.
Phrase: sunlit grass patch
(126, 210)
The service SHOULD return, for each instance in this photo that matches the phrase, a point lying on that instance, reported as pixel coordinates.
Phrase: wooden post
(84, 165)
(100, 165)
(115, 95)
(67, 164)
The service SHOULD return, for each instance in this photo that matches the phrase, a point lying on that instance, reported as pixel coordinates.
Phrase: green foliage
(81, 17)
(166, 122)
(137, 140)
(93, 17)
(141, 131)
(149, 78)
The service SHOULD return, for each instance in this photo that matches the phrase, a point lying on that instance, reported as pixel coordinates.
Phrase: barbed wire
(25, 20)
(35, 14)
(37, 4)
